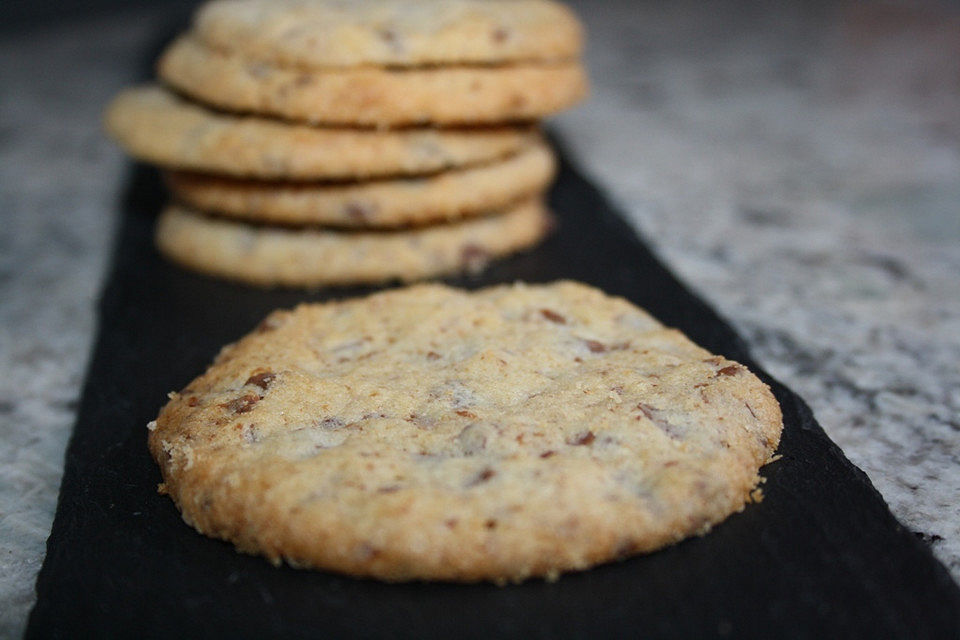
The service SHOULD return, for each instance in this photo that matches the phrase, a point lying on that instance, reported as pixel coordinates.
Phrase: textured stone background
(799, 166)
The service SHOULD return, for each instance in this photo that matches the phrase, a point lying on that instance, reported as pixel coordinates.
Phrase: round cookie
(379, 204)
(432, 433)
(156, 126)
(373, 96)
(308, 257)
(333, 33)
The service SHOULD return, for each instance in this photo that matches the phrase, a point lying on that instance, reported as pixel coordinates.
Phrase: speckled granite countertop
(799, 167)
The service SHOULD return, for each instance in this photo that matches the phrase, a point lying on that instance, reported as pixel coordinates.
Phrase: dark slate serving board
(821, 556)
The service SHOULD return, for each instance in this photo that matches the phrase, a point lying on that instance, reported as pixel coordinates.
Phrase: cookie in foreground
(437, 434)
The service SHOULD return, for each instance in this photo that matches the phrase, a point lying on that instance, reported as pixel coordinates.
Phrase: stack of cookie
(326, 142)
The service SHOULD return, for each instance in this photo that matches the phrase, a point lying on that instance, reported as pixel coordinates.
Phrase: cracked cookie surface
(432, 433)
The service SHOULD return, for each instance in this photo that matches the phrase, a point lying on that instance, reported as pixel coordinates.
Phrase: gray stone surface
(799, 167)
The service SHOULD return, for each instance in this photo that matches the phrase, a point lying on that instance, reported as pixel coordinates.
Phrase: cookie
(156, 126)
(334, 33)
(270, 256)
(432, 433)
(373, 96)
(378, 204)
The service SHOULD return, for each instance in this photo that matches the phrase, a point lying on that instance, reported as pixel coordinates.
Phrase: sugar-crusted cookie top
(429, 432)
(331, 33)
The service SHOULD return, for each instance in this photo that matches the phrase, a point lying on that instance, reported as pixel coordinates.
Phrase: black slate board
(821, 556)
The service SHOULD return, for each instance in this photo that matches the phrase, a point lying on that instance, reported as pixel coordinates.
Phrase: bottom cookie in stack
(315, 256)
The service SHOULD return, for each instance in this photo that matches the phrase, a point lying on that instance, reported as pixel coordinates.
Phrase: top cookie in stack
(382, 63)
(335, 142)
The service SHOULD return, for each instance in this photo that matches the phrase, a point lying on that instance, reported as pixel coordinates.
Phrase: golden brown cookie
(432, 433)
(383, 203)
(334, 33)
(305, 257)
(156, 126)
(373, 96)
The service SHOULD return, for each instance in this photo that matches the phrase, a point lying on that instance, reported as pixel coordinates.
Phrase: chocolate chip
(262, 379)
(360, 211)
(547, 454)
(331, 423)
(473, 258)
(595, 347)
(243, 404)
(646, 410)
(553, 316)
(482, 477)
(490, 524)
(732, 370)
(433, 355)
(583, 439)
(653, 414)
(193, 401)
(367, 552)
(465, 413)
